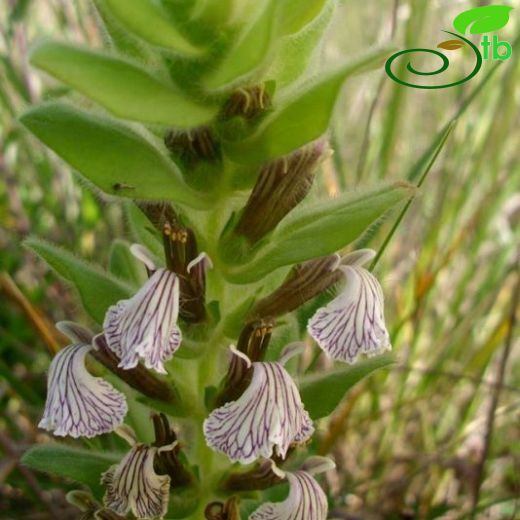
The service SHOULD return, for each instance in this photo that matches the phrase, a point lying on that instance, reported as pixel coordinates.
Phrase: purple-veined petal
(268, 415)
(353, 323)
(306, 501)
(133, 485)
(79, 404)
(144, 327)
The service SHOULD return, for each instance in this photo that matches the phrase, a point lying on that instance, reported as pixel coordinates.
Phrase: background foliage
(411, 441)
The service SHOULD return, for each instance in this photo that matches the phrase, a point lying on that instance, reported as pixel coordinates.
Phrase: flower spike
(353, 323)
(79, 404)
(145, 325)
(268, 415)
(306, 500)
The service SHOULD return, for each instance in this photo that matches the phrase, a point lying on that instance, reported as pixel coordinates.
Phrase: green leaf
(151, 22)
(320, 229)
(142, 230)
(112, 156)
(483, 19)
(248, 52)
(295, 52)
(121, 87)
(84, 466)
(124, 265)
(322, 392)
(119, 38)
(292, 18)
(97, 289)
(299, 118)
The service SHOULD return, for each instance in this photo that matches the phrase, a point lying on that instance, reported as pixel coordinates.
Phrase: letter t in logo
(485, 45)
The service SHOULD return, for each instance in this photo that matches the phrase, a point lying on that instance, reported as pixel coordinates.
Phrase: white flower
(145, 325)
(353, 323)
(306, 500)
(133, 485)
(79, 404)
(269, 414)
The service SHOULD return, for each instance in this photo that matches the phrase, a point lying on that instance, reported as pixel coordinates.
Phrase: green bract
(112, 156)
(301, 116)
(152, 23)
(123, 88)
(97, 289)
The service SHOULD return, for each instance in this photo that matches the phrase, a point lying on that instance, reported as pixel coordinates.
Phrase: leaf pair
(320, 229)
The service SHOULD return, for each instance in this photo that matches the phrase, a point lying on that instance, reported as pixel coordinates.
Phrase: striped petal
(353, 323)
(306, 501)
(133, 485)
(268, 415)
(79, 404)
(144, 327)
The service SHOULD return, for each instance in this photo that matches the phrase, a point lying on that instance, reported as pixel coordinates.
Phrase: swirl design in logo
(440, 70)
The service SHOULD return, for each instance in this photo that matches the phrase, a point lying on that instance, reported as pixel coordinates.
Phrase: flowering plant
(206, 121)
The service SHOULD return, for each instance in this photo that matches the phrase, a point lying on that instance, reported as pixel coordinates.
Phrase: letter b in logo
(497, 53)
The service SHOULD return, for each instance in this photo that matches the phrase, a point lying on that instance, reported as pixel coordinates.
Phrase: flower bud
(219, 511)
(168, 462)
(139, 378)
(253, 342)
(263, 476)
(281, 185)
(304, 282)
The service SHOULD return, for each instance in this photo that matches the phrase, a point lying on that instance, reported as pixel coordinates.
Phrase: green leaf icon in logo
(482, 19)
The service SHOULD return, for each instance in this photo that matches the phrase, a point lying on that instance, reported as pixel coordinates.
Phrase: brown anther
(248, 102)
(193, 145)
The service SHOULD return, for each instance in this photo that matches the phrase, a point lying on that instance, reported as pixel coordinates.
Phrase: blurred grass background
(436, 436)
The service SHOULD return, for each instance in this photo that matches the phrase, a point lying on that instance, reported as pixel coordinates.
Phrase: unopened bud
(223, 511)
(304, 282)
(167, 462)
(263, 476)
(139, 377)
(253, 342)
(281, 185)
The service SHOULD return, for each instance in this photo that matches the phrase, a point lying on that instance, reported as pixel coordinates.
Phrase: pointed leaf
(300, 118)
(322, 392)
(121, 87)
(84, 466)
(249, 50)
(320, 229)
(293, 18)
(483, 19)
(97, 289)
(112, 156)
(152, 23)
(295, 52)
